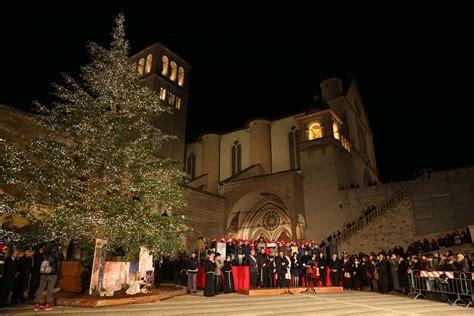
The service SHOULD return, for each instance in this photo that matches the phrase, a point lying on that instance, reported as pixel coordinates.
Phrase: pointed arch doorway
(261, 215)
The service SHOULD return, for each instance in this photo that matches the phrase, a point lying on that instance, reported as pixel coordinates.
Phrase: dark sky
(414, 66)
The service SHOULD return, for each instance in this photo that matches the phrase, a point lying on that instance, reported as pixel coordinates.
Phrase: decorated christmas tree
(99, 170)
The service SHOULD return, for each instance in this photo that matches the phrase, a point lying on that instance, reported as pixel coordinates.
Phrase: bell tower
(165, 72)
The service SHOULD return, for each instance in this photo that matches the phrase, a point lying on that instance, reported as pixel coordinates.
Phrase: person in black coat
(271, 270)
(25, 263)
(253, 269)
(384, 273)
(335, 268)
(357, 273)
(403, 275)
(322, 265)
(210, 270)
(228, 276)
(262, 260)
(296, 266)
(37, 257)
(281, 263)
(10, 277)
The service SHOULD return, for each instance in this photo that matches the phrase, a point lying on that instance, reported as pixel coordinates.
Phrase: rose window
(271, 220)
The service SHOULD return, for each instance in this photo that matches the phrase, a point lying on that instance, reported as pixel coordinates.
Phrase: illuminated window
(162, 93)
(180, 76)
(165, 62)
(335, 130)
(178, 103)
(141, 66)
(171, 99)
(293, 137)
(149, 60)
(174, 71)
(315, 130)
(236, 157)
(191, 166)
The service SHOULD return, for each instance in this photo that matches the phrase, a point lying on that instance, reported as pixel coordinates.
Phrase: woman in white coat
(288, 272)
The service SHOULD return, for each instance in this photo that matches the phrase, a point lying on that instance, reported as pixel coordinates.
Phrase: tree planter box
(160, 293)
(69, 277)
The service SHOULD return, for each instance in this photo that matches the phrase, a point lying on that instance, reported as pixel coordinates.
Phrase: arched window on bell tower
(165, 62)
(181, 76)
(315, 130)
(174, 71)
(236, 157)
(141, 66)
(148, 64)
(293, 138)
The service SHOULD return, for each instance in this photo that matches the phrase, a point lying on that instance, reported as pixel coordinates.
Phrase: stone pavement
(346, 303)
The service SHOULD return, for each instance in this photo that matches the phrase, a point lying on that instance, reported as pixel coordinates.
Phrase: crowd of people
(25, 274)
(450, 240)
(286, 264)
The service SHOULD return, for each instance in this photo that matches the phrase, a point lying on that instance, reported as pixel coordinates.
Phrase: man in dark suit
(335, 268)
(10, 276)
(253, 269)
(281, 263)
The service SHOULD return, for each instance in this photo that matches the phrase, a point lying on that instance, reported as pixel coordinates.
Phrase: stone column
(260, 144)
(210, 160)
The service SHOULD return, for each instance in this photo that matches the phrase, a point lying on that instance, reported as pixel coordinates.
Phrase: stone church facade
(302, 176)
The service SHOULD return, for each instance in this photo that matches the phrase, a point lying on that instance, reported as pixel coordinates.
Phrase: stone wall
(443, 200)
(395, 227)
(205, 212)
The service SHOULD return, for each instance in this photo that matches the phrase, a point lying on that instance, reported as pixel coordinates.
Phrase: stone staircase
(382, 224)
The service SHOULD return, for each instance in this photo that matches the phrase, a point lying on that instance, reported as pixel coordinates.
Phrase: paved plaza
(346, 303)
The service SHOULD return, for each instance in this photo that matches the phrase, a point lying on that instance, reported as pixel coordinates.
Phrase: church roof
(316, 106)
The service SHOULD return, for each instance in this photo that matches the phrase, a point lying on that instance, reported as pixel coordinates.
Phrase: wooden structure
(69, 276)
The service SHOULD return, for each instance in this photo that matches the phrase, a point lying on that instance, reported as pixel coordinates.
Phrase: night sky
(414, 66)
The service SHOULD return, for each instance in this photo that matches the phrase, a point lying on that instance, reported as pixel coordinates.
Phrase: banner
(145, 262)
(115, 275)
(221, 249)
(98, 265)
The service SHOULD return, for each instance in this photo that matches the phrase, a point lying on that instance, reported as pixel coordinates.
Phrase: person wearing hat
(192, 269)
(218, 274)
(210, 270)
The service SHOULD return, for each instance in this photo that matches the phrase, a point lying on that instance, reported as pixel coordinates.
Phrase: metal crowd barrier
(457, 286)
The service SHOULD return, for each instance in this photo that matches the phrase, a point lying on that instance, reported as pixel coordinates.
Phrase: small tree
(100, 171)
